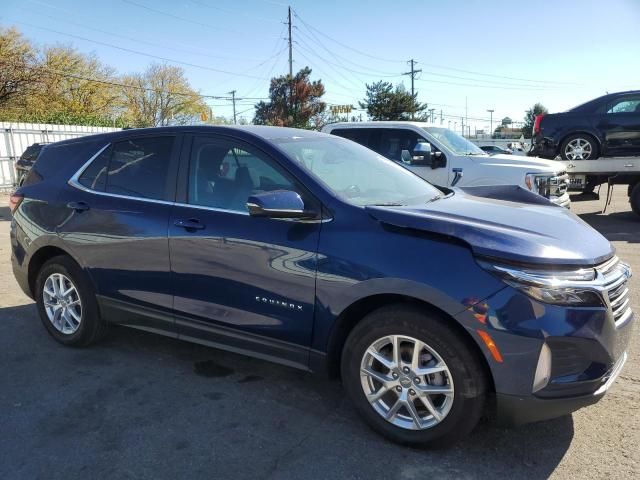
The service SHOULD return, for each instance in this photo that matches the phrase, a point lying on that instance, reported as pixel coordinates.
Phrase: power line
(129, 50)
(183, 19)
(360, 52)
(124, 85)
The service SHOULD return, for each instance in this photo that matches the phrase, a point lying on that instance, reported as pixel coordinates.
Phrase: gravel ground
(143, 406)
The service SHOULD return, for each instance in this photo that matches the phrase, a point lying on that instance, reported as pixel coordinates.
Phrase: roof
(262, 131)
(381, 124)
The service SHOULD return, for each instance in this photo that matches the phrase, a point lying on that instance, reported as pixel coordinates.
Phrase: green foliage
(530, 117)
(61, 85)
(293, 102)
(383, 102)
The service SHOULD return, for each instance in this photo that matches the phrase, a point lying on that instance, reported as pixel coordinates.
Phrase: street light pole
(491, 122)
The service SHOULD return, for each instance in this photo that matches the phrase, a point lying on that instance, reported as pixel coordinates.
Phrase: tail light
(536, 124)
(14, 201)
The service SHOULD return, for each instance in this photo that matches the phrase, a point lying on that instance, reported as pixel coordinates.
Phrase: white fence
(16, 137)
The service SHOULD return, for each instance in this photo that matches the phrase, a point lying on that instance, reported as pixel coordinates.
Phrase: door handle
(191, 224)
(78, 206)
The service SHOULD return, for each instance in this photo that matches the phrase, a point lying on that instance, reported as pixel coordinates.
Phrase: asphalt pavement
(140, 405)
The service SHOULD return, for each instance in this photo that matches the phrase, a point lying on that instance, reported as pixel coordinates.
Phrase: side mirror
(276, 204)
(421, 155)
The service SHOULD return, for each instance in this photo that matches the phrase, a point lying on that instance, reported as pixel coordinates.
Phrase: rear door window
(137, 167)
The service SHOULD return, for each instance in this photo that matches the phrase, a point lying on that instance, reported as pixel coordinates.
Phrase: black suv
(26, 161)
(608, 126)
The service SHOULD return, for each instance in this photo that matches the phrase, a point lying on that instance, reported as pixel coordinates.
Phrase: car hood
(535, 164)
(506, 222)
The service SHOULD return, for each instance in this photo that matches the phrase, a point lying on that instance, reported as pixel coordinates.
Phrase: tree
(18, 69)
(74, 84)
(383, 102)
(293, 102)
(160, 96)
(530, 117)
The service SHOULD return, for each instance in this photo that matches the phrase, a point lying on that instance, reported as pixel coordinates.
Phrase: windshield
(356, 174)
(454, 142)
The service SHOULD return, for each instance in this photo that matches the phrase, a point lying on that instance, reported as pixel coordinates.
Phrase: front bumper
(515, 410)
(563, 201)
(587, 348)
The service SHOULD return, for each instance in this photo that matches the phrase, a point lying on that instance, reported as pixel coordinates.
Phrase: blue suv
(433, 305)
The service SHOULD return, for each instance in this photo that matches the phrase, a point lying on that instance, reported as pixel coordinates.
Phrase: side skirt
(204, 333)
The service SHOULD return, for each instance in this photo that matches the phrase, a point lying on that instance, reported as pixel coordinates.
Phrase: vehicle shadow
(615, 226)
(143, 405)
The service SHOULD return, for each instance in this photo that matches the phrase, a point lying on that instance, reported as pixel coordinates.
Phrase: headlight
(558, 287)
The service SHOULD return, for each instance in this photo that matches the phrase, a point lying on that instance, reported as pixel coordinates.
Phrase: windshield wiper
(386, 204)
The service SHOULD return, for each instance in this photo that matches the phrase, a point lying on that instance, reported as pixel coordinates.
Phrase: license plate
(577, 182)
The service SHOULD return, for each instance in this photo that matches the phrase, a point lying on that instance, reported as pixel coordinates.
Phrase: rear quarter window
(61, 161)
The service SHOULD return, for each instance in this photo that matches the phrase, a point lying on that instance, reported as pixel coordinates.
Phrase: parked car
(307, 249)
(448, 159)
(26, 161)
(495, 150)
(608, 126)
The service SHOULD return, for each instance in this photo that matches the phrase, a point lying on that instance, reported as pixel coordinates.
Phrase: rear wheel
(579, 147)
(66, 303)
(412, 378)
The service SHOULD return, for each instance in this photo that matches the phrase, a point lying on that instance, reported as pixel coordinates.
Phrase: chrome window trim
(75, 183)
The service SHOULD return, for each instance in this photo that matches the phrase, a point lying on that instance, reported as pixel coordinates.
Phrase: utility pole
(413, 73)
(233, 99)
(290, 47)
(441, 118)
(491, 122)
(432, 118)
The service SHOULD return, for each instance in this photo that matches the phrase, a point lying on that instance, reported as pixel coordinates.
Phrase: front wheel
(413, 378)
(579, 147)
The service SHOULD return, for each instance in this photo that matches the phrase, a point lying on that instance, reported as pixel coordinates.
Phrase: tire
(460, 410)
(634, 198)
(587, 143)
(90, 328)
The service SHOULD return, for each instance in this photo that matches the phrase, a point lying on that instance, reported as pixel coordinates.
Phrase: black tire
(595, 149)
(468, 377)
(634, 198)
(91, 328)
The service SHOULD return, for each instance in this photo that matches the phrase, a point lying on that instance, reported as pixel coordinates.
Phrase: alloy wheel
(406, 382)
(578, 149)
(62, 303)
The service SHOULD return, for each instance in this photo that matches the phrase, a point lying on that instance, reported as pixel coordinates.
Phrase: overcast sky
(501, 55)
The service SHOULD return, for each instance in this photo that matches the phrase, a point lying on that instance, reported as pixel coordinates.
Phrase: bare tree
(160, 96)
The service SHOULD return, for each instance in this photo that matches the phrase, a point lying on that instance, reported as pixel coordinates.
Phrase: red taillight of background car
(14, 201)
(536, 124)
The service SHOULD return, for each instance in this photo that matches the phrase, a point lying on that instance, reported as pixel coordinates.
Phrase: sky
(474, 55)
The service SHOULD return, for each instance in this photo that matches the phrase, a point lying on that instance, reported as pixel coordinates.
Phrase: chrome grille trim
(553, 185)
(615, 274)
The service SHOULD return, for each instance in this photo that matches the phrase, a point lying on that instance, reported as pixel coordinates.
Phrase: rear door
(621, 126)
(241, 282)
(118, 213)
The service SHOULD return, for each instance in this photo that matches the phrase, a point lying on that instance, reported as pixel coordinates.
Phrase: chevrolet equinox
(433, 305)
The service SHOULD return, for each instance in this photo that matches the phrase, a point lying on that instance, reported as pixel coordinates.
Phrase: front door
(241, 282)
(621, 126)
